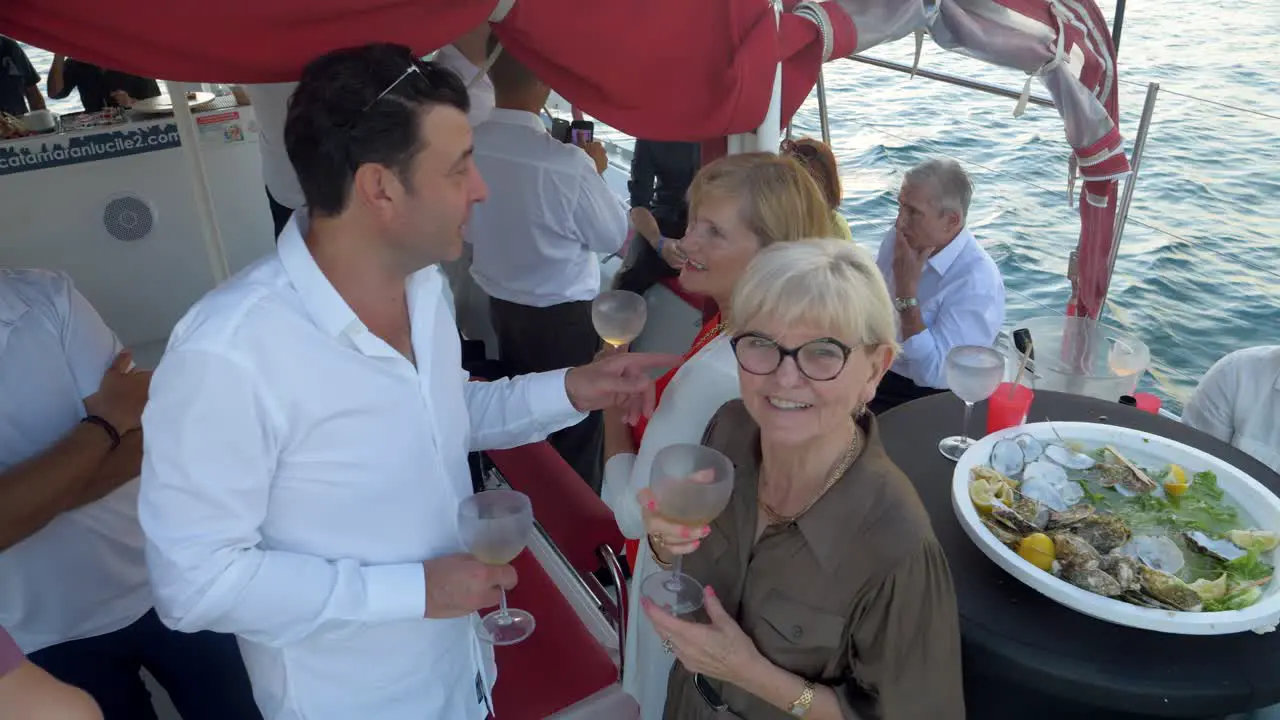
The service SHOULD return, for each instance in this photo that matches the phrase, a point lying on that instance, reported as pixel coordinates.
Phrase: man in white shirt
(284, 194)
(465, 56)
(73, 579)
(308, 428)
(536, 243)
(1238, 402)
(946, 288)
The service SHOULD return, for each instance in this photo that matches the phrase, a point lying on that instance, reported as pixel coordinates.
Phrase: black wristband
(105, 425)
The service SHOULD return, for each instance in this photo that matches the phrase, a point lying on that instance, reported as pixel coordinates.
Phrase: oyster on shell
(1021, 517)
(1002, 532)
(1155, 551)
(1216, 548)
(1124, 569)
(1069, 517)
(1072, 551)
(1032, 448)
(1068, 458)
(1125, 474)
(1007, 457)
(1169, 589)
(1092, 578)
(1049, 485)
(1104, 531)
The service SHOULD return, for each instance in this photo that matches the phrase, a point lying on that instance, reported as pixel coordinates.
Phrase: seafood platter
(1124, 526)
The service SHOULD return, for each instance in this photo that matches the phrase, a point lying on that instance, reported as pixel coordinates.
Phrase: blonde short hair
(779, 199)
(831, 284)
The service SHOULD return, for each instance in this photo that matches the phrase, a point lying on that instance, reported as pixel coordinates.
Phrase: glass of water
(973, 373)
(618, 316)
(495, 526)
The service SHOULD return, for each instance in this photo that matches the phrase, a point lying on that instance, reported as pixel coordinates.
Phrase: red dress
(705, 335)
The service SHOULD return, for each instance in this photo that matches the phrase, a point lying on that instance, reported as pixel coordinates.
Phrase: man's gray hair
(951, 186)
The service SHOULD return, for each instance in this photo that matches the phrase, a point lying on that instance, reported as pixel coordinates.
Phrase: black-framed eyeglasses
(819, 360)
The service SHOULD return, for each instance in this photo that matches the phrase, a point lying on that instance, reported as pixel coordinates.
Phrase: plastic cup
(1004, 411)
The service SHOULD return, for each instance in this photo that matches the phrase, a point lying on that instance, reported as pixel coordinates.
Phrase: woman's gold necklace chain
(777, 518)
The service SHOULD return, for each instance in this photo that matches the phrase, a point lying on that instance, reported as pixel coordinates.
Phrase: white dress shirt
(466, 301)
(1238, 401)
(298, 471)
(549, 212)
(961, 297)
(271, 108)
(703, 383)
(83, 574)
(479, 87)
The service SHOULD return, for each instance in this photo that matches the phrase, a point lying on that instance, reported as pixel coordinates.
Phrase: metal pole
(1117, 25)
(1126, 197)
(769, 135)
(822, 109)
(190, 137)
(952, 80)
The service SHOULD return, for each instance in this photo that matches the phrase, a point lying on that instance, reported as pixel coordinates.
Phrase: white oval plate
(1145, 450)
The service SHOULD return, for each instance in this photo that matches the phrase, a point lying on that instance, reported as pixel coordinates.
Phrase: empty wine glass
(692, 485)
(973, 373)
(495, 526)
(618, 316)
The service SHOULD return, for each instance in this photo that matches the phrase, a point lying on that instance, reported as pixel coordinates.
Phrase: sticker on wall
(25, 156)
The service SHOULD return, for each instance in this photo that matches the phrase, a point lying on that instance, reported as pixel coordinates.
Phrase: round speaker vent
(128, 218)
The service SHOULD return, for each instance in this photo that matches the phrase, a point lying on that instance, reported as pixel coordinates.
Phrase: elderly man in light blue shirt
(946, 288)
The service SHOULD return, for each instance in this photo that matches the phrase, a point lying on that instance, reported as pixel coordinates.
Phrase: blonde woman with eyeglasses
(827, 595)
(738, 205)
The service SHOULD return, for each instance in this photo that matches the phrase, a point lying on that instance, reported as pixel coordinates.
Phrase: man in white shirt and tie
(73, 577)
(537, 240)
(308, 427)
(946, 288)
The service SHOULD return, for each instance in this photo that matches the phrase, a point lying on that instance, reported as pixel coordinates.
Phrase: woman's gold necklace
(777, 518)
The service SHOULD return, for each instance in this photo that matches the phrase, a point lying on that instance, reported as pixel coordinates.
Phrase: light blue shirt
(961, 296)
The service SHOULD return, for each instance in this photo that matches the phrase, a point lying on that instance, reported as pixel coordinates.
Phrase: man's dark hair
(337, 122)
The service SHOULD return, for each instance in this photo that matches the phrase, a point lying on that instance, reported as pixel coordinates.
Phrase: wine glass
(495, 526)
(692, 485)
(973, 373)
(618, 316)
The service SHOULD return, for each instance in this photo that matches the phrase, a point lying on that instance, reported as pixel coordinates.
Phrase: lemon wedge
(982, 495)
(1037, 549)
(1176, 483)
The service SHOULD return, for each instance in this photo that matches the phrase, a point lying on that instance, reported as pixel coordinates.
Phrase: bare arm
(34, 99)
(29, 693)
(122, 465)
(82, 466)
(57, 80)
(38, 490)
(646, 225)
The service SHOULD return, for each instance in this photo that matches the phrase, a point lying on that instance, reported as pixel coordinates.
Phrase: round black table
(1025, 655)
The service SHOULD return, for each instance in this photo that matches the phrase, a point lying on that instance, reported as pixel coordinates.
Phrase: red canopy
(660, 69)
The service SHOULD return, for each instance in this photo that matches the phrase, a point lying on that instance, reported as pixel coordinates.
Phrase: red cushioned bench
(561, 663)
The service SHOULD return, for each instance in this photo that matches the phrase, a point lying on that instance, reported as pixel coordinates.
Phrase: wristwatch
(903, 303)
(800, 707)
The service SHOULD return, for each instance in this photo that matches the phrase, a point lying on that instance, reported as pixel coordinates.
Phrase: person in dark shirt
(19, 81)
(98, 88)
(661, 173)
